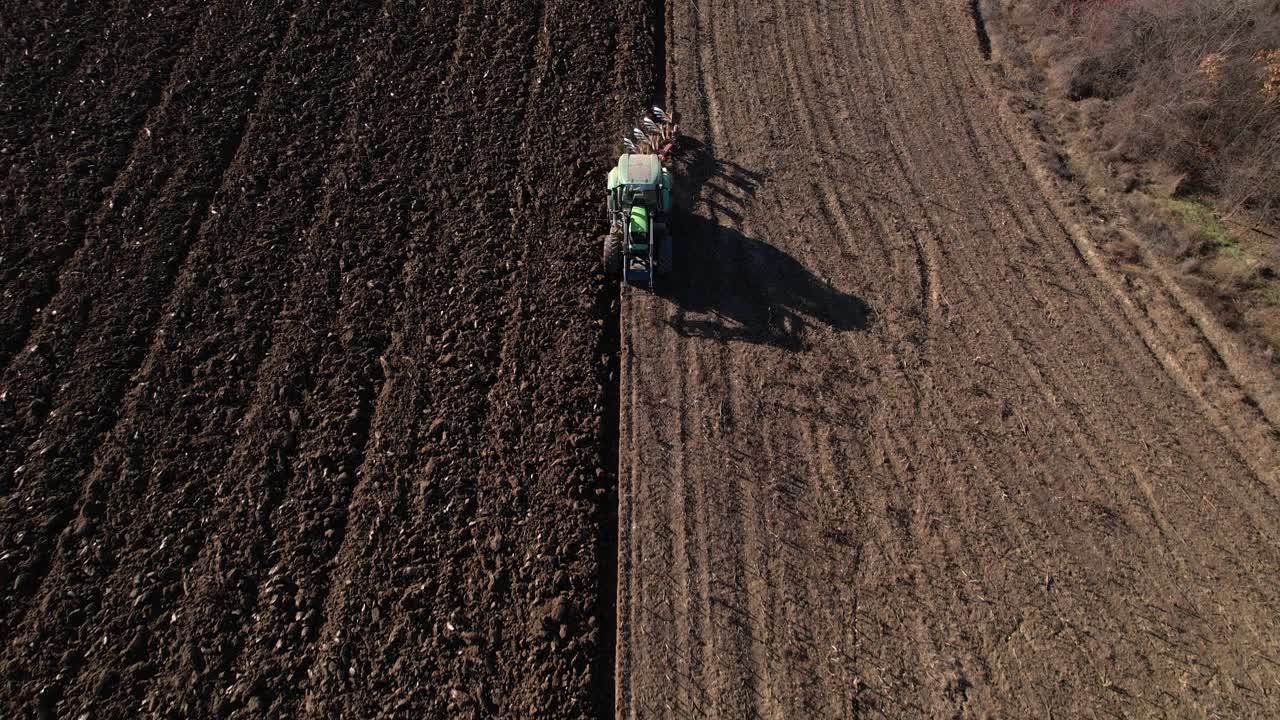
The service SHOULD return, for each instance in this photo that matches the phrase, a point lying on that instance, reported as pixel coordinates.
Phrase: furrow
(66, 256)
(100, 411)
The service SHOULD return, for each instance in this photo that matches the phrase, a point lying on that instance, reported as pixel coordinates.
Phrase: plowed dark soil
(901, 439)
(300, 377)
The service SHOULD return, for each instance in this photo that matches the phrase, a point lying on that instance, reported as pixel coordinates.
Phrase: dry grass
(1194, 84)
(1172, 109)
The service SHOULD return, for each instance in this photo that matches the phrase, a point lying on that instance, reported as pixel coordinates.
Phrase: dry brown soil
(898, 441)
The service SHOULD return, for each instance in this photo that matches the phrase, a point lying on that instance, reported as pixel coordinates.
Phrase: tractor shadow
(732, 288)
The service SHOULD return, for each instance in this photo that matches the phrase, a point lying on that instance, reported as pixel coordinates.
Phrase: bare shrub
(1194, 84)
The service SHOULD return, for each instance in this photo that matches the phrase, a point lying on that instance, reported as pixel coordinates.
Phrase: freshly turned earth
(300, 378)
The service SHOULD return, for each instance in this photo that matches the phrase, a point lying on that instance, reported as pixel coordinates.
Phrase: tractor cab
(639, 205)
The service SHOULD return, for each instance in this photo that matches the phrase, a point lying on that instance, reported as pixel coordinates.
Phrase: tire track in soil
(1030, 469)
(1241, 382)
(932, 228)
(917, 404)
(1116, 317)
(687, 564)
(1078, 435)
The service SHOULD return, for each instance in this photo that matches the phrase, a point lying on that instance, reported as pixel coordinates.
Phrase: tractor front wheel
(612, 254)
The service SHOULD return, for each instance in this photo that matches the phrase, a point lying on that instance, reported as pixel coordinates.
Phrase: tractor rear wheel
(612, 254)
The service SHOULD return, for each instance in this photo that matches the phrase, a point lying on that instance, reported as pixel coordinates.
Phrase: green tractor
(638, 245)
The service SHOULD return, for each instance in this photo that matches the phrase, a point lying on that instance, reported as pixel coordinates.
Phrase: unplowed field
(300, 378)
(902, 440)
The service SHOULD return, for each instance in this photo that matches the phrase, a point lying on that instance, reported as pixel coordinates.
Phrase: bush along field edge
(1164, 117)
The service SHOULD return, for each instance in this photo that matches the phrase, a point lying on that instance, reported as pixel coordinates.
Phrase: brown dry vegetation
(1193, 83)
(1174, 107)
